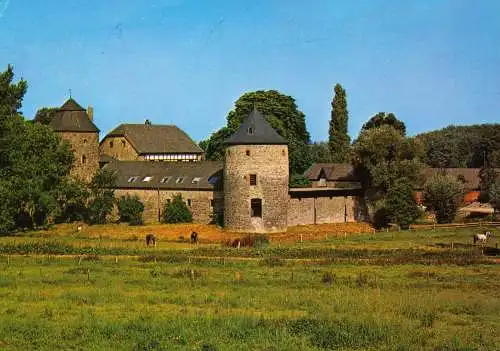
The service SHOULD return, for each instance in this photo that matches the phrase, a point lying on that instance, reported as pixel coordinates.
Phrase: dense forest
(463, 146)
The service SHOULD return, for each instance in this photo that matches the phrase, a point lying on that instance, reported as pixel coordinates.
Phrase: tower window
(248, 152)
(256, 207)
(111, 144)
(253, 179)
(84, 159)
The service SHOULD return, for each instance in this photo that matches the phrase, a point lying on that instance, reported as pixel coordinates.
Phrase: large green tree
(29, 180)
(382, 156)
(282, 114)
(443, 194)
(338, 139)
(103, 196)
(382, 119)
(45, 115)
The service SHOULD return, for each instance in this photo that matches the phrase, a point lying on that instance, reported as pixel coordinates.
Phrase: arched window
(248, 152)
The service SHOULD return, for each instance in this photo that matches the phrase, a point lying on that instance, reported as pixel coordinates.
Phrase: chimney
(90, 112)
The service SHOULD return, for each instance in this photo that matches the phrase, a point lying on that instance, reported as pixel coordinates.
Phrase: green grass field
(383, 291)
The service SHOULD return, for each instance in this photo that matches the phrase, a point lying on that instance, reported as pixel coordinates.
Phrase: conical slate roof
(71, 117)
(255, 130)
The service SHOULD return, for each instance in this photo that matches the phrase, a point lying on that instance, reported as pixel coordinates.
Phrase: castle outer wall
(202, 204)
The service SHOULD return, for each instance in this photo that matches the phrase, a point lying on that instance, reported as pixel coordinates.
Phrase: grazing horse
(483, 238)
(151, 239)
(194, 238)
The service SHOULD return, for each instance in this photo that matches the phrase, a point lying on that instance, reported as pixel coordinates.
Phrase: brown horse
(194, 238)
(151, 239)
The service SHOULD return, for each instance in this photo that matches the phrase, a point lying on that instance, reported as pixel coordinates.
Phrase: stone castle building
(74, 124)
(248, 192)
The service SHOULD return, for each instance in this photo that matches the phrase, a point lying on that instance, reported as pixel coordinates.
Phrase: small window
(253, 179)
(147, 179)
(132, 179)
(111, 144)
(84, 159)
(124, 143)
(180, 180)
(256, 207)
(248, 152)
(169, 201)
(165, 179)
(189, 202)
(212, 203)
(85, 141)
(196, 180)
(283, 152)
(250, 130)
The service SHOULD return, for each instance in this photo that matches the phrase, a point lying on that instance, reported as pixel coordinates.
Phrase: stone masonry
(85, 147)
(270, 165)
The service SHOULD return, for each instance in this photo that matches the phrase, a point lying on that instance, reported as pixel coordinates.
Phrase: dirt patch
(206, 233)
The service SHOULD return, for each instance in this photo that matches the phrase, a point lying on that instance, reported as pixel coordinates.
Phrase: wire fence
(454, 225)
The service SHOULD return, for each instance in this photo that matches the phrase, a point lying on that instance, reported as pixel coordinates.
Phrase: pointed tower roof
(71, 117)
(71, 105)
(255, 130)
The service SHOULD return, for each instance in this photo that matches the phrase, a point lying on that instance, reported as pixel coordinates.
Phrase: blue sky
(185, 62)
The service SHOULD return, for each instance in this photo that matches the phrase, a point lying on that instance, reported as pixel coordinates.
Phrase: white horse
(482, 238)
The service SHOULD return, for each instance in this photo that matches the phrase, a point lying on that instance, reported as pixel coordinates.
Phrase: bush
(100, 208)
(381, 218)
(130, 209)
(443, 194)
(401, 206)
(177, 211)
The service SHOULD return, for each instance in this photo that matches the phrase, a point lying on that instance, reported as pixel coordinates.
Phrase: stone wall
(202, 206)
(119, 148)
(85, 147)
(270, 164)
(311, 210)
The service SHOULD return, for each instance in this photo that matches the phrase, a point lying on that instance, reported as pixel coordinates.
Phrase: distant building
(150, 142)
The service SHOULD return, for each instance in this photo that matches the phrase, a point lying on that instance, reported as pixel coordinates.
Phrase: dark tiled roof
(255, 130)
(208, 172)
(344, 172)
(470, 175)
(71, 117)
(156, 139)
(106, 158)
(331, 171)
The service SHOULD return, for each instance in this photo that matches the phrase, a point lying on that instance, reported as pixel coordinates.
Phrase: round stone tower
(256, 178)
(74, 124)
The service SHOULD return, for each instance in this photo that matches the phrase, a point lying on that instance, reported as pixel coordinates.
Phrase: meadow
(418, 290)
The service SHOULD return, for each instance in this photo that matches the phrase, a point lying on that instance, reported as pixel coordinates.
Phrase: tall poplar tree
(339, 140)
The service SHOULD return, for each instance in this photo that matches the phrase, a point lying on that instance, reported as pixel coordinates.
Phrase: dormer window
(132, 179)
(250, 130)
(165, 179)
(196, 180)
(147, 179)
(179, 180)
